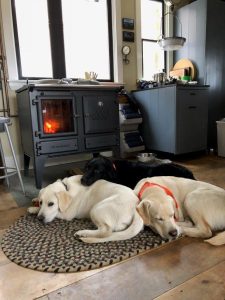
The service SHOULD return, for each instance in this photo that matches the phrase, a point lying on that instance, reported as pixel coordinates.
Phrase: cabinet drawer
(191, 106)
(57, 146)
(196, 95)
(192, 117)
(101, 141)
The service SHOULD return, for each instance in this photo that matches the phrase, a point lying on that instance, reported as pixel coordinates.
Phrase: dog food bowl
(146, 157)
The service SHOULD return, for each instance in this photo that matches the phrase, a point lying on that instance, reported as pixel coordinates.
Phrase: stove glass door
(57, 116)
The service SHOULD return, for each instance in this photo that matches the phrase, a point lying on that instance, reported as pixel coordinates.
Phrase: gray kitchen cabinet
(203, 26)
(174, 118)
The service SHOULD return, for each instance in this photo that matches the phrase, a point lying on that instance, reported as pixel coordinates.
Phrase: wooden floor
(184, 269)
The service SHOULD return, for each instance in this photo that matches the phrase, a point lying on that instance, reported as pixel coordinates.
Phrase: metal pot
(160, 77)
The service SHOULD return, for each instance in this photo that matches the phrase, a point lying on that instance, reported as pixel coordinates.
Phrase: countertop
(72, 86)
(180, 86)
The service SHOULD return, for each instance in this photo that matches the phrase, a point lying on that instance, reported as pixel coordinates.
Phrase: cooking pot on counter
(160, 77)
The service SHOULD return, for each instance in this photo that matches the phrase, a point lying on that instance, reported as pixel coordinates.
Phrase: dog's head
(98, 168)
(158, 212)
(53, 200)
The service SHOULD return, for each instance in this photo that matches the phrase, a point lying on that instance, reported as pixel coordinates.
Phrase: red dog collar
(151, 184)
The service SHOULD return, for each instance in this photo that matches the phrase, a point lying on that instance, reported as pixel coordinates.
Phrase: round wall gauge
(126, 50)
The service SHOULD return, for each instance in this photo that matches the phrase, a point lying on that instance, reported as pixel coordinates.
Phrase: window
(153, 60)
(63, 38)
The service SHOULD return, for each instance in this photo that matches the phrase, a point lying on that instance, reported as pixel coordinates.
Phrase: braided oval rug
(54, 248)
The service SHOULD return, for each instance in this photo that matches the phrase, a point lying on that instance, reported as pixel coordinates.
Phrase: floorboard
(148, 276)
(201, 286)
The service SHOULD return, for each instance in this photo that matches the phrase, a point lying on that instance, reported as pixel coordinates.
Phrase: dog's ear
(143, 210)
(64, 200)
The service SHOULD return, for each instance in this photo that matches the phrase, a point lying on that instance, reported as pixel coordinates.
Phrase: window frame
(56, 38)
(153, 41)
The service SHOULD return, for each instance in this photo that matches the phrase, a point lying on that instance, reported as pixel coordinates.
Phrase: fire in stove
(51, 126)
(57, 116)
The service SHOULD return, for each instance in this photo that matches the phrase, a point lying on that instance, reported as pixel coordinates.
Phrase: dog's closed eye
(50, 203)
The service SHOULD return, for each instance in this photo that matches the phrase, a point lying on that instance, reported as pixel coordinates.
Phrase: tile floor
(184, 269)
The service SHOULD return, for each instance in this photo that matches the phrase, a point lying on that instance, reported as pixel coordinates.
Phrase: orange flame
(51, 126)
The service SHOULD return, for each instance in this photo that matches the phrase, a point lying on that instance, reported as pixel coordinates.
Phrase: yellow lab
(172, 206)
(110, 206)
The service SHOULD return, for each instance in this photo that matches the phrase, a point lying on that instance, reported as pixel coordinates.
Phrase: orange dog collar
(151, 184)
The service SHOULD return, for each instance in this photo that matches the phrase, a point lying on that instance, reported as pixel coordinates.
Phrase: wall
(14, 128)
(128, 10)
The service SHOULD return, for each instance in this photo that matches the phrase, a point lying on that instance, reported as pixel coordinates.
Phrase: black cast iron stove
(65, 119)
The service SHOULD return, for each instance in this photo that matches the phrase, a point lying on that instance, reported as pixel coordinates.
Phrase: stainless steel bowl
(146, 157)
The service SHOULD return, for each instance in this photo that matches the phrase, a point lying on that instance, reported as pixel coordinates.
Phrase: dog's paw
(82, 233)
(33, 210)
(180, 232)
(88, 240)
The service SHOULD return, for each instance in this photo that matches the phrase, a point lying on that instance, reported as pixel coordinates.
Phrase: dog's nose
(41, 218)
(173, 233)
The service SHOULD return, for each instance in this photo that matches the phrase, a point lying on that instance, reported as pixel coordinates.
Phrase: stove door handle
(76, 116)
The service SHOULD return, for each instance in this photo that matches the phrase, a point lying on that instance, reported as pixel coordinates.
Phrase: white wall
(7, 29)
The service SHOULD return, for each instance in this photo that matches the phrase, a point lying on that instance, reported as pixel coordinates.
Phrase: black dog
(129, 172)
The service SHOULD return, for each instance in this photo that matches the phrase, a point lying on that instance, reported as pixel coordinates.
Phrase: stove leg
(26, 164)
(39, 162)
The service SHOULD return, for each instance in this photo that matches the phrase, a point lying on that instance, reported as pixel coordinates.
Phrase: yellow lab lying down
(110, 206)
(172, 206)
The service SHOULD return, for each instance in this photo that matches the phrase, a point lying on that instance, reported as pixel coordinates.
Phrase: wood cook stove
(65, 119)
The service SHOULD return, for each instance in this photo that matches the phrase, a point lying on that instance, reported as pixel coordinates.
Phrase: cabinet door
(158, 109)
(147, 101)
(101, 113)
(192, 115)
(166, 119)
